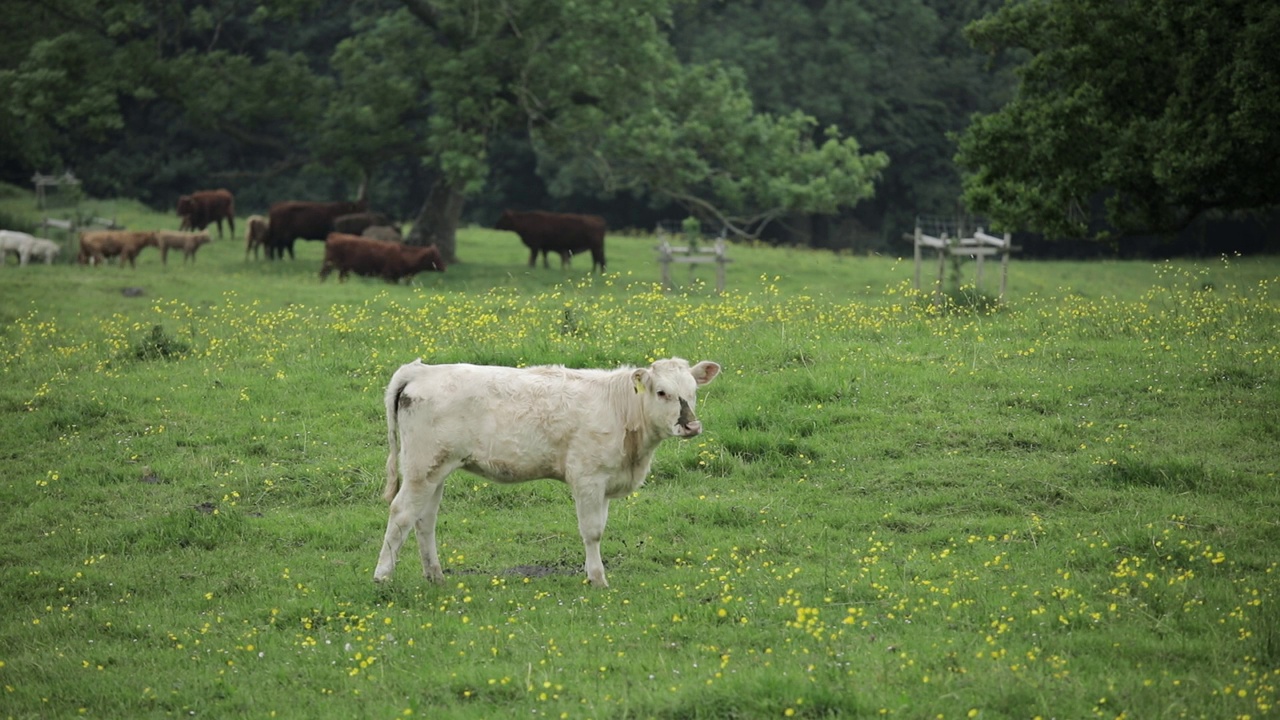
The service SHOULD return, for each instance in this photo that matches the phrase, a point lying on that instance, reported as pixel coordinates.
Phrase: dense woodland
(1139, 127)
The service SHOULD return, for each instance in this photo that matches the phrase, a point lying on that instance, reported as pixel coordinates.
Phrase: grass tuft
(160, 345)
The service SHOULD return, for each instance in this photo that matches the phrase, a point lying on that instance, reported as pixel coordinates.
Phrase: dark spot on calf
(686, 414)
(631, 445)
(404, 402)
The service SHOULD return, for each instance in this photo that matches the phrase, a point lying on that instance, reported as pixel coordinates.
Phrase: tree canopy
(833, 122)
(594, 87)
(898, 76)
(604, 102)
(1162, 109)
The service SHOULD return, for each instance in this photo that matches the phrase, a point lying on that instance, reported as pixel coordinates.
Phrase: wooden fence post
(942, 267)
(918, 237)
(1004, 263)
(717, 253)
(664, 260)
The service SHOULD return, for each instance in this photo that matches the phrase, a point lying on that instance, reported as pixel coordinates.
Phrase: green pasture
(1066, 506)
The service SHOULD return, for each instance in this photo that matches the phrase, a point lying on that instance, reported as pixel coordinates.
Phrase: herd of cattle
(356, 239)
(367, 243)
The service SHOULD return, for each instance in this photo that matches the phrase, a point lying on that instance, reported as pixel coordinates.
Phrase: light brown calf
(187, 242)
(98, 245)
(256, 235)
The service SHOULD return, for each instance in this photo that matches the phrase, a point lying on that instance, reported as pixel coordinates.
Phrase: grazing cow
(295, 219)
(255, 235)
(98, 245)
(187, 242)
(355, 223)
(385, 233)
(18, 243)
(595, 430)
(205, 207)
(374, 258)
(43, 248)
(544, 232)
(24, 246)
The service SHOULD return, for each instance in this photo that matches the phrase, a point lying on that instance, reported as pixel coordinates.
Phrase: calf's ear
(642, 379)
(705, 371)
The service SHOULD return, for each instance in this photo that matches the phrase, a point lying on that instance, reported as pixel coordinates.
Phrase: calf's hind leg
(426, 529)
(415, 506)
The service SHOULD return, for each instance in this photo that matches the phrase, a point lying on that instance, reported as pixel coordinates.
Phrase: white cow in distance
(16, 242)
(44, 248)
(596, 430)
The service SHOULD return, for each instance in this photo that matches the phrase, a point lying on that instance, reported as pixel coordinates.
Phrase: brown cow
(295, 219)
(98, 245)
(557, 232)
(187, 242)
(255, 235)
(374, 258)
(204, 207)
(355, 223)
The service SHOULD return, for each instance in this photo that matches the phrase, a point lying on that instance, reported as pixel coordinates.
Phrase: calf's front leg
(593, 513)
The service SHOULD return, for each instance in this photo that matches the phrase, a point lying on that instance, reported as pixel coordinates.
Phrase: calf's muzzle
(688, 424)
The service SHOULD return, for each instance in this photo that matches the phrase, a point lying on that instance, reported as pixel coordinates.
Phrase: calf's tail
(392, 400)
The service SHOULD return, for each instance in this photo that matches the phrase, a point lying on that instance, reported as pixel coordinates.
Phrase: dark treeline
(242, 88)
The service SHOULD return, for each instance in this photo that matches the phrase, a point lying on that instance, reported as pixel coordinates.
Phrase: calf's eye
(662, 394)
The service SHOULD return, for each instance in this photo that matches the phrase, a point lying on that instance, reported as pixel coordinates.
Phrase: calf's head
(670, 390)
(422, 259)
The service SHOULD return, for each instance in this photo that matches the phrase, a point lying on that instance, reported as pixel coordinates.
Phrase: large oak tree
(598, 91)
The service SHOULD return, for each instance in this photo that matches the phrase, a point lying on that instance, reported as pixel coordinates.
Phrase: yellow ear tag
(639, 386)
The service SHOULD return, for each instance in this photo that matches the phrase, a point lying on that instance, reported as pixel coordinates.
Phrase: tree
(144, 98)
(702, 145)
(598, 91)
(1163, 108)
(897, 76)
(290, 85)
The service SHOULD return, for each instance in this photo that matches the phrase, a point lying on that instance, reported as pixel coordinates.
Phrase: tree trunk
(437, 221)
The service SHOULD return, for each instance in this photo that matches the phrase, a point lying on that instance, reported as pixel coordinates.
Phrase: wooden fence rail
(980, 246)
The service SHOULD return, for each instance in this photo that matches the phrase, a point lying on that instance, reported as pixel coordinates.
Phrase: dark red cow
(374, 258)
(202, 208)
(295, 219)
(562, 233)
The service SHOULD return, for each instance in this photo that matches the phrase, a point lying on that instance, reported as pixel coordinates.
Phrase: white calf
(596, 430)
(44, 248)
(17, 242)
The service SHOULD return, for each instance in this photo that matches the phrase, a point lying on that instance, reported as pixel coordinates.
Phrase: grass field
(1063, 507)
